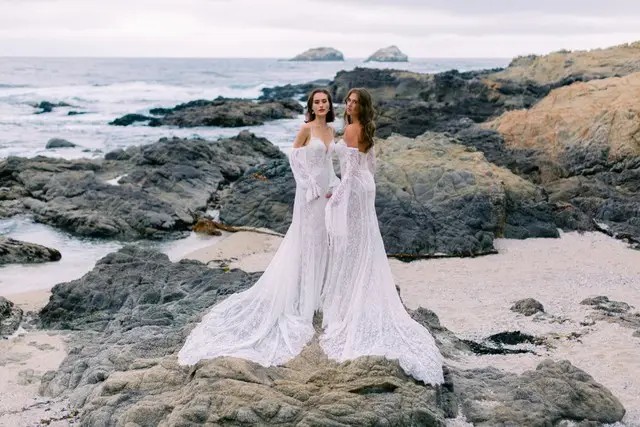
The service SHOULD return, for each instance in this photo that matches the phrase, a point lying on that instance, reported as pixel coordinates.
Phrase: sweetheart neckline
(326, 146)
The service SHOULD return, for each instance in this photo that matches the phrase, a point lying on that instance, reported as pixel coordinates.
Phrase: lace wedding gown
(271, 322)
(362, 312)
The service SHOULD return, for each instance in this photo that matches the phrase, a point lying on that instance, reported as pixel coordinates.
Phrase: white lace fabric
(271, 322)
(362, 311)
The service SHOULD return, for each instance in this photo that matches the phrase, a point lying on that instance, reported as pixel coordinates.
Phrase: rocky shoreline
(464, 159)
(122, 367)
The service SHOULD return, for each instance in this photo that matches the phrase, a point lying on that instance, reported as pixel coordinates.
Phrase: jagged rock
(219, 112)
(580, 143)
(527, 307)
(565, 67)
(412, 103)
(613, 311)
(129, 119)
(320, 54)
(434, 197)
(388, 54)
(263, 197)
(163, 186)
(59, 143)
(10, 317)
(18, 252)
(605, 304)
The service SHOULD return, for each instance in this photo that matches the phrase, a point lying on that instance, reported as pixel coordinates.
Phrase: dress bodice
(317, 154)
(363, 162)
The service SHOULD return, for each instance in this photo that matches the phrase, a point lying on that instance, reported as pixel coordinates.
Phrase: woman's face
(353, 107)
(321, 104)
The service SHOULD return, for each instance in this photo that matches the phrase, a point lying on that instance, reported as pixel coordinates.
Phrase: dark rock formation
(129, 119)
(59, 143)
(47, 107)
(613, 311)
(527, 307)
(221, 112)
(18, 252)
(300, 91)
(10, 317)
(165, 185)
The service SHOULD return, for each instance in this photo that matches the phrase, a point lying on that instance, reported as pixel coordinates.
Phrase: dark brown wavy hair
(366, 115)
(309, 116)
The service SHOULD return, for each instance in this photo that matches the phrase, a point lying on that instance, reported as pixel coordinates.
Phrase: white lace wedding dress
(362, 312)
(271, 322)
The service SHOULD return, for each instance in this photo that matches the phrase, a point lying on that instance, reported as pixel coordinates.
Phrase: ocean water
(104, 89)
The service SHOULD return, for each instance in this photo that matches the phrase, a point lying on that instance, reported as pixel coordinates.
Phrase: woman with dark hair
(272, 321)
(362, 312)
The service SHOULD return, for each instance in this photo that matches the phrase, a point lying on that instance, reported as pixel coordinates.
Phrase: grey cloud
(611, 8)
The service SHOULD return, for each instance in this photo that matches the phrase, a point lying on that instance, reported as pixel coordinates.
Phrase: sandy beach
(24, 358)
(471, 296)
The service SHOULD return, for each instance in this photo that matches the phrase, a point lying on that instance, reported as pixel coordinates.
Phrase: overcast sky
(283, 28)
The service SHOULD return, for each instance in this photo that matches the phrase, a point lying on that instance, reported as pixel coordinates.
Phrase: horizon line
(240, 57)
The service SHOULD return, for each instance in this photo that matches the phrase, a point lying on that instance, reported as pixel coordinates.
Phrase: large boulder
(319, 54)
(580, 143)
(163, 186)
(553, 392)
(17, 252)
(434, 197)
(388, 54)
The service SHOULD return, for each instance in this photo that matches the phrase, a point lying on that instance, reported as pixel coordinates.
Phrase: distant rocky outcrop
(17, 252)
(166, 184)
(131, 314)
(59, 143)
(434, 197)
(581, 143)
(388, 54)
(222, 112)
(319, 54)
